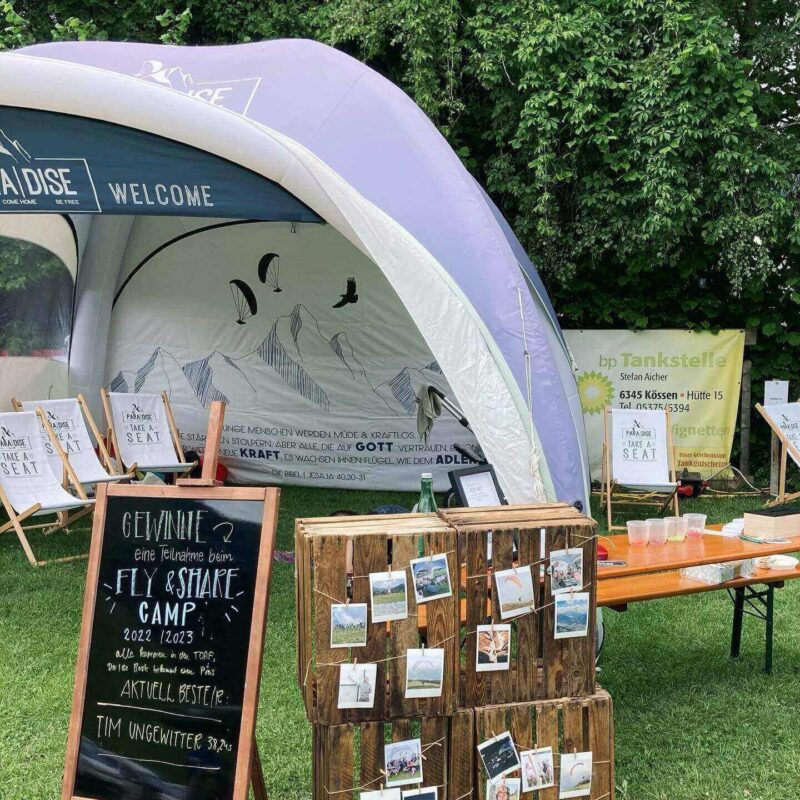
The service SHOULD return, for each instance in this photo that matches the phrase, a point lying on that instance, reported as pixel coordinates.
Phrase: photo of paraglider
(244, 300)
(515, 592)
(269, 271)
(424, 671)
(575, 775)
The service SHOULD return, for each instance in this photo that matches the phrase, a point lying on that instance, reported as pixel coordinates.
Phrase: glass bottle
(427, 502)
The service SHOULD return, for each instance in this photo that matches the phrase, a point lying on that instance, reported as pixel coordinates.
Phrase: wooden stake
(216, 422)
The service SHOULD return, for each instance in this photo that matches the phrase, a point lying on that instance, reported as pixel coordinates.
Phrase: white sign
(639, 447)
(776, 392)
(479, 490)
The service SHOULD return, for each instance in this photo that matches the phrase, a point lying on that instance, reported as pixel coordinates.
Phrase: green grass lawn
(690, 724)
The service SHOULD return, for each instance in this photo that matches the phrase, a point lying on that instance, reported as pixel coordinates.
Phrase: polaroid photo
(499, 755)
(403, 762)
(389, 595)
(431, 576)
(426, 793)
(349, 625)
(382, 794)
(537, 769)
(424, 672)
(575, 778)
(503, 789)
(493, 652)
(566, 570)
(357, 685)
(515, 592)
(572, 615)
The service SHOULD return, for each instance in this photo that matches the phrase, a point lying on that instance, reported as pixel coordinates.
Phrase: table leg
(738, 618)
(769, 624)
(257, 776)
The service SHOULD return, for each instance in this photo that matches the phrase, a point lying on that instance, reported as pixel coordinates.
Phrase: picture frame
(476, 486)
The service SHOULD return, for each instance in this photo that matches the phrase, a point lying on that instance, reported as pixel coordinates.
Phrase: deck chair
(67, 420)
(638, 456)
(784, 419)
(143, 431)
(28, 485)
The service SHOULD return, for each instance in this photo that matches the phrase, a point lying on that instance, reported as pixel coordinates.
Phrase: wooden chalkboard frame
(247, 758)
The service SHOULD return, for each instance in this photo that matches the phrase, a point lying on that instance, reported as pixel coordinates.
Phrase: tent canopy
(278, 225)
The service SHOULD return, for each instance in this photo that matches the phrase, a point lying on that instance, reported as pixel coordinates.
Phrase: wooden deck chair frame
(607, 482)
(786, 447)
(108, 463)
(173, 431)
(63, 518)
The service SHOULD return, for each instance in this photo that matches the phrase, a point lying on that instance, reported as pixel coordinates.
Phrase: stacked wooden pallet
(540, 688)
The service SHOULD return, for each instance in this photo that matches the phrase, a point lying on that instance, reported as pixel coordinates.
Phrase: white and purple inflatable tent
(278, 226)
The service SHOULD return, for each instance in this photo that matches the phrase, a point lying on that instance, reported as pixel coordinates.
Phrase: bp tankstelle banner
(696, 375)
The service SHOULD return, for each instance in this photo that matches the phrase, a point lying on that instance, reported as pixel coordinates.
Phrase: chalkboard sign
(168, 670)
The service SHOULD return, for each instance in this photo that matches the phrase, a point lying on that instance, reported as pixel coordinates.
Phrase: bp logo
(596, 391)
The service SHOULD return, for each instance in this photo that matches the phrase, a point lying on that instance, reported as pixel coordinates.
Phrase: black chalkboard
(172, 620)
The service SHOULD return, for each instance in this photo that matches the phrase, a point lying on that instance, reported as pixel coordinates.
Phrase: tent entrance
(297, 331)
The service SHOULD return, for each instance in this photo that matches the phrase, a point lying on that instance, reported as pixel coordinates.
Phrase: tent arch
(463, 348)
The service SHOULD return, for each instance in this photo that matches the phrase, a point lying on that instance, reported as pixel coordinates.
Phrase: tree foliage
(646, 152)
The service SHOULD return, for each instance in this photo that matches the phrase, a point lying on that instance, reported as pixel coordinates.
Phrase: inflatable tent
(278, 226)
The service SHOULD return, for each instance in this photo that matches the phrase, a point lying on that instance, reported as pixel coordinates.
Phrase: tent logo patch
(233, 95)
(50, 183)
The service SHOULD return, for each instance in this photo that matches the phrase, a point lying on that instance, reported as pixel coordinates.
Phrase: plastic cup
(637, 533)
(656, 530)
(676, 528)
(695, 525)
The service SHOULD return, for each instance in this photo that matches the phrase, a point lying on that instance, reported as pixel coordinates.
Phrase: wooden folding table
(652, 572)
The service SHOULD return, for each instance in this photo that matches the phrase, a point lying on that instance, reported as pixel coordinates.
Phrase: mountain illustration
(404, 386)
(174, 77)
(217, 369)
(13, 149)
(300, 353)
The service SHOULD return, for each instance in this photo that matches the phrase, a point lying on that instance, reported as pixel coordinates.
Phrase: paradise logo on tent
(33, 184)
(235, 94)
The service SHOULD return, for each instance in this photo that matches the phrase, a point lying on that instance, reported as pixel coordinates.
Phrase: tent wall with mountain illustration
(277, 226)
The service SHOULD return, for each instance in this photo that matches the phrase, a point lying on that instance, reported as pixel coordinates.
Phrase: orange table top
(710, 549)
(635, 588)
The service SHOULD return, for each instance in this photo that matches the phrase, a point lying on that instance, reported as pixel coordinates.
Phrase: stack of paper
(734, 528)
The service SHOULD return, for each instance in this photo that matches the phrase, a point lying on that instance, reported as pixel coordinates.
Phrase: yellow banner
(697, 376)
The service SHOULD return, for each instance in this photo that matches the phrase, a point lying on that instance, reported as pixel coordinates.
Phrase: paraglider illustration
(244, 300)
(269, 268)
(350, 295)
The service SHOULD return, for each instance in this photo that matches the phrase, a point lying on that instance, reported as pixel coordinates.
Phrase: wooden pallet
(566, 725)
(349, 757)
(541, 667)
(321, 547)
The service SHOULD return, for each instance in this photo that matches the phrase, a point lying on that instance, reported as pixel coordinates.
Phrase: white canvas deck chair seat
(784, 419)
(67, 421)
(144, 433)
(639, 458)
(28, 485)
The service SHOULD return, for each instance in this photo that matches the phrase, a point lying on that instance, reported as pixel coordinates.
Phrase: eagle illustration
(349, 296)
